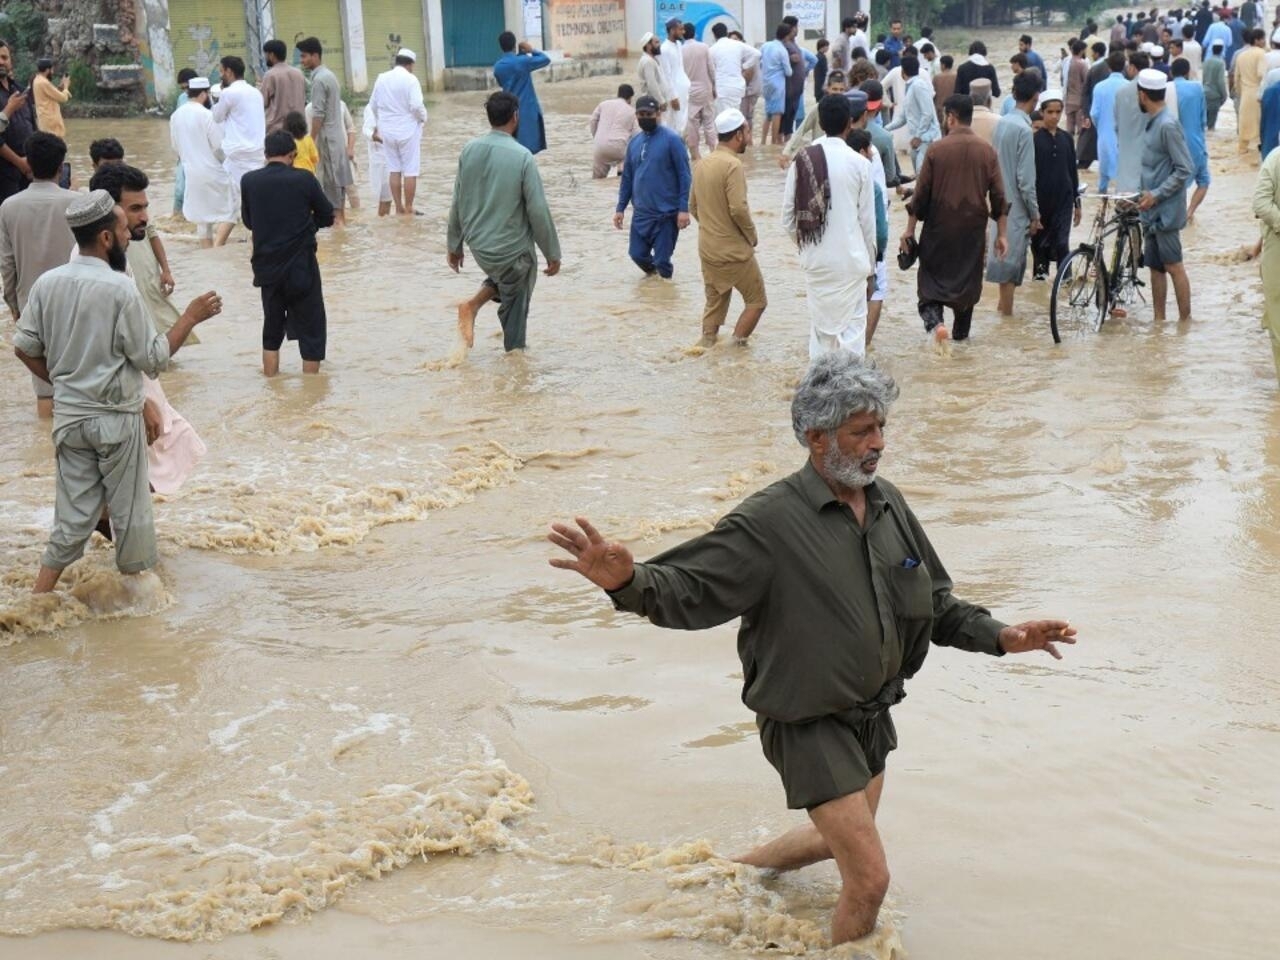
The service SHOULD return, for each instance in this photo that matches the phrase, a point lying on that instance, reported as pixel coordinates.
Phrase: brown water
(356, 713)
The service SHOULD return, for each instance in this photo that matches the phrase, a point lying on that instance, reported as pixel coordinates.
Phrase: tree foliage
(24, 28)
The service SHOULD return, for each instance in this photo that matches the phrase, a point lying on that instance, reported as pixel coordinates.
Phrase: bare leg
(805, 844)
(222, 234)
(44, 408)
(46, 580)
(384, 208)
(1197, 198)
(410, 193)
(746, 324)
(310, 366)
(1006, 299)
(396, 194)
(1159, 292)
(774, 132)
(1181, 289)
(270, 362)
(873, 318)
(849, 828)
(467, 311)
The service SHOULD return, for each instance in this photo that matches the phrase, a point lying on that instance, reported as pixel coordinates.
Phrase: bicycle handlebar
(1111, 196)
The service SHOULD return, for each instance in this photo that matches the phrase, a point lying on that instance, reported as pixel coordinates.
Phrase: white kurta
(242, 114)
(836, 268)
(196, 139)
(672, 61)
(729, 60)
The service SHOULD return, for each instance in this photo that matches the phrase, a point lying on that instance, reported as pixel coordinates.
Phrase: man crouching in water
(840, 594)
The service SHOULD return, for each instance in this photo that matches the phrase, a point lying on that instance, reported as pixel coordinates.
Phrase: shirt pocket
(912, 592)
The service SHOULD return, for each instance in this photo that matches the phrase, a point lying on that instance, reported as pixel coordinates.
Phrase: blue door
(471, 29)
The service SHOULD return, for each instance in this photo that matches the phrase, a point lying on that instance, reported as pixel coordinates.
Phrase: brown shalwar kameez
(958, 191)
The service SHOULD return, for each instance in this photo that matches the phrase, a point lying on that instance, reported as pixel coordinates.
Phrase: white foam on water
(225, 737)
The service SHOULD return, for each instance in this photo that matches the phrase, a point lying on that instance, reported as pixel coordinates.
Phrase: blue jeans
(653, 241)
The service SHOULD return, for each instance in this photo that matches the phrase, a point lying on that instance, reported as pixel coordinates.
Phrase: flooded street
(357, 714)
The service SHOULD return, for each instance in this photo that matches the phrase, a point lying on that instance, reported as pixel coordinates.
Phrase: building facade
(360, 37)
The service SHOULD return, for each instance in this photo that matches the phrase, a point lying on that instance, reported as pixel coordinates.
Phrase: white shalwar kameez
(672, 61)
(836, 268)
(196, 139)
(242, 114)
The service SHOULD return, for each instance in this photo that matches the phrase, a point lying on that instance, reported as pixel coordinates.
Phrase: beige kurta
(1250, 70)
(1266, 207)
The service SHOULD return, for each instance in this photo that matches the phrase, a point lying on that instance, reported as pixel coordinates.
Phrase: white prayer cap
(198, 83)
(1049, 96)
(1152, 80)
(644, 41)
(1145, 47)
(1157, 51)
(89, 208)
(407, 54)
(729, 120)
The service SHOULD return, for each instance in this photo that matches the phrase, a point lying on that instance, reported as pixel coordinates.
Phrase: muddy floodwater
(354, 713)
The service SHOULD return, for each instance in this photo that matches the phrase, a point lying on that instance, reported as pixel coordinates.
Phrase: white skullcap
(1145, 47)
(407, 54)
(1157, 51)
(1152, 80)
(198, 83)
(89, 208)
(729, 120)
(644, 41)
(1049, 96)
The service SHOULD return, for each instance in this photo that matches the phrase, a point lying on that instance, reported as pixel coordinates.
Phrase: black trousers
(931, 314)
(293, 307)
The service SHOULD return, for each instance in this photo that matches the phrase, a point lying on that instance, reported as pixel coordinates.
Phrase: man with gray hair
(840, 594)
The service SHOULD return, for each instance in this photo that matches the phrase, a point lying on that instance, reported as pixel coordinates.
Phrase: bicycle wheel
(1124, 271)
(1079, 302)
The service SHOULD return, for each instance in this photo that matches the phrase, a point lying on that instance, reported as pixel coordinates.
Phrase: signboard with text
(587, 28)
(812, 14)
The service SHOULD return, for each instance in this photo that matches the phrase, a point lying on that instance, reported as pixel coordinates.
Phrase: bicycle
(1089, 286)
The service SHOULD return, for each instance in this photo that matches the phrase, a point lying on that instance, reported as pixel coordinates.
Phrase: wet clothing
(500, 212)
(837, 264)
(1266, 207)
(1103, 116)
(1167, 169)
(1057, 181)
(196, 139)
(612, 125)
(1130, 121)
(958, 191)
(89, 324)
(284, 208)
(514, 72)
(1016, 152)
(1213, 75)
(21, 125)
(655, 181)
(326, 106)
(775, 68)
(833, 613)
(1191, 114)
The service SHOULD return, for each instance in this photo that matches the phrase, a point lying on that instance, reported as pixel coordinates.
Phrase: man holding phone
(20, 123)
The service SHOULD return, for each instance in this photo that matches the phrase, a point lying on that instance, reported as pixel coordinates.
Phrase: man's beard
(116, 258)
(847, 471)
(138, 233)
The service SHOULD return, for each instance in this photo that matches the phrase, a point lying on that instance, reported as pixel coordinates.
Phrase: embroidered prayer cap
(645, 40)
(198, 83)
(1152, 80)
(407, 54)
(646, 103)
(730, 120)
(1049, 96)
(89, 208)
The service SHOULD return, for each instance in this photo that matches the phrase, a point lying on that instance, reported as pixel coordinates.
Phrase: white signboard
(533, 22)
(812, 14)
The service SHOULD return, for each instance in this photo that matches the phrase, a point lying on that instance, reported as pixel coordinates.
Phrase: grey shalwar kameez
(91, 327)
(334, 172)
(1016, 153)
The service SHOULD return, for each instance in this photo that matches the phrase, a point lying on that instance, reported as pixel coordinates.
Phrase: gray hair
(981, 96)
(837, 386)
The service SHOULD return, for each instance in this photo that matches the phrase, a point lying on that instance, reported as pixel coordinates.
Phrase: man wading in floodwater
(840, 593)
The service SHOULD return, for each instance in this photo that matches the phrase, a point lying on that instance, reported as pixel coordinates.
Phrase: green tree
(24, 28)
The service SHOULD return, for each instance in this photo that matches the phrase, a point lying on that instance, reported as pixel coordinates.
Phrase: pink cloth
(178, 448)
(614, 123)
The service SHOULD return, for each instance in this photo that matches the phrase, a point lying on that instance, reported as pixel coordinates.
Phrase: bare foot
(1119, 313)
(1158, 317)
(708, 341)
(741, 341)
(467, 323)
(941, 334)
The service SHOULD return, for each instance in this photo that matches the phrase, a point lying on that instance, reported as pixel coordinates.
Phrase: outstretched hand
(609, 565)
(1037, 635)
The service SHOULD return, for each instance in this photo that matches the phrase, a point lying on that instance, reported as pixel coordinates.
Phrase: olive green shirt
(831, 611)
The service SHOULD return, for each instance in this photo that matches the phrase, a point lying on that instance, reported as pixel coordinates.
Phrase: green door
(471, 29)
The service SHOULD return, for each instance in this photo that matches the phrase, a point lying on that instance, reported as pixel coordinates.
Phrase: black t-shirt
(283, 207)
(21, 125)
